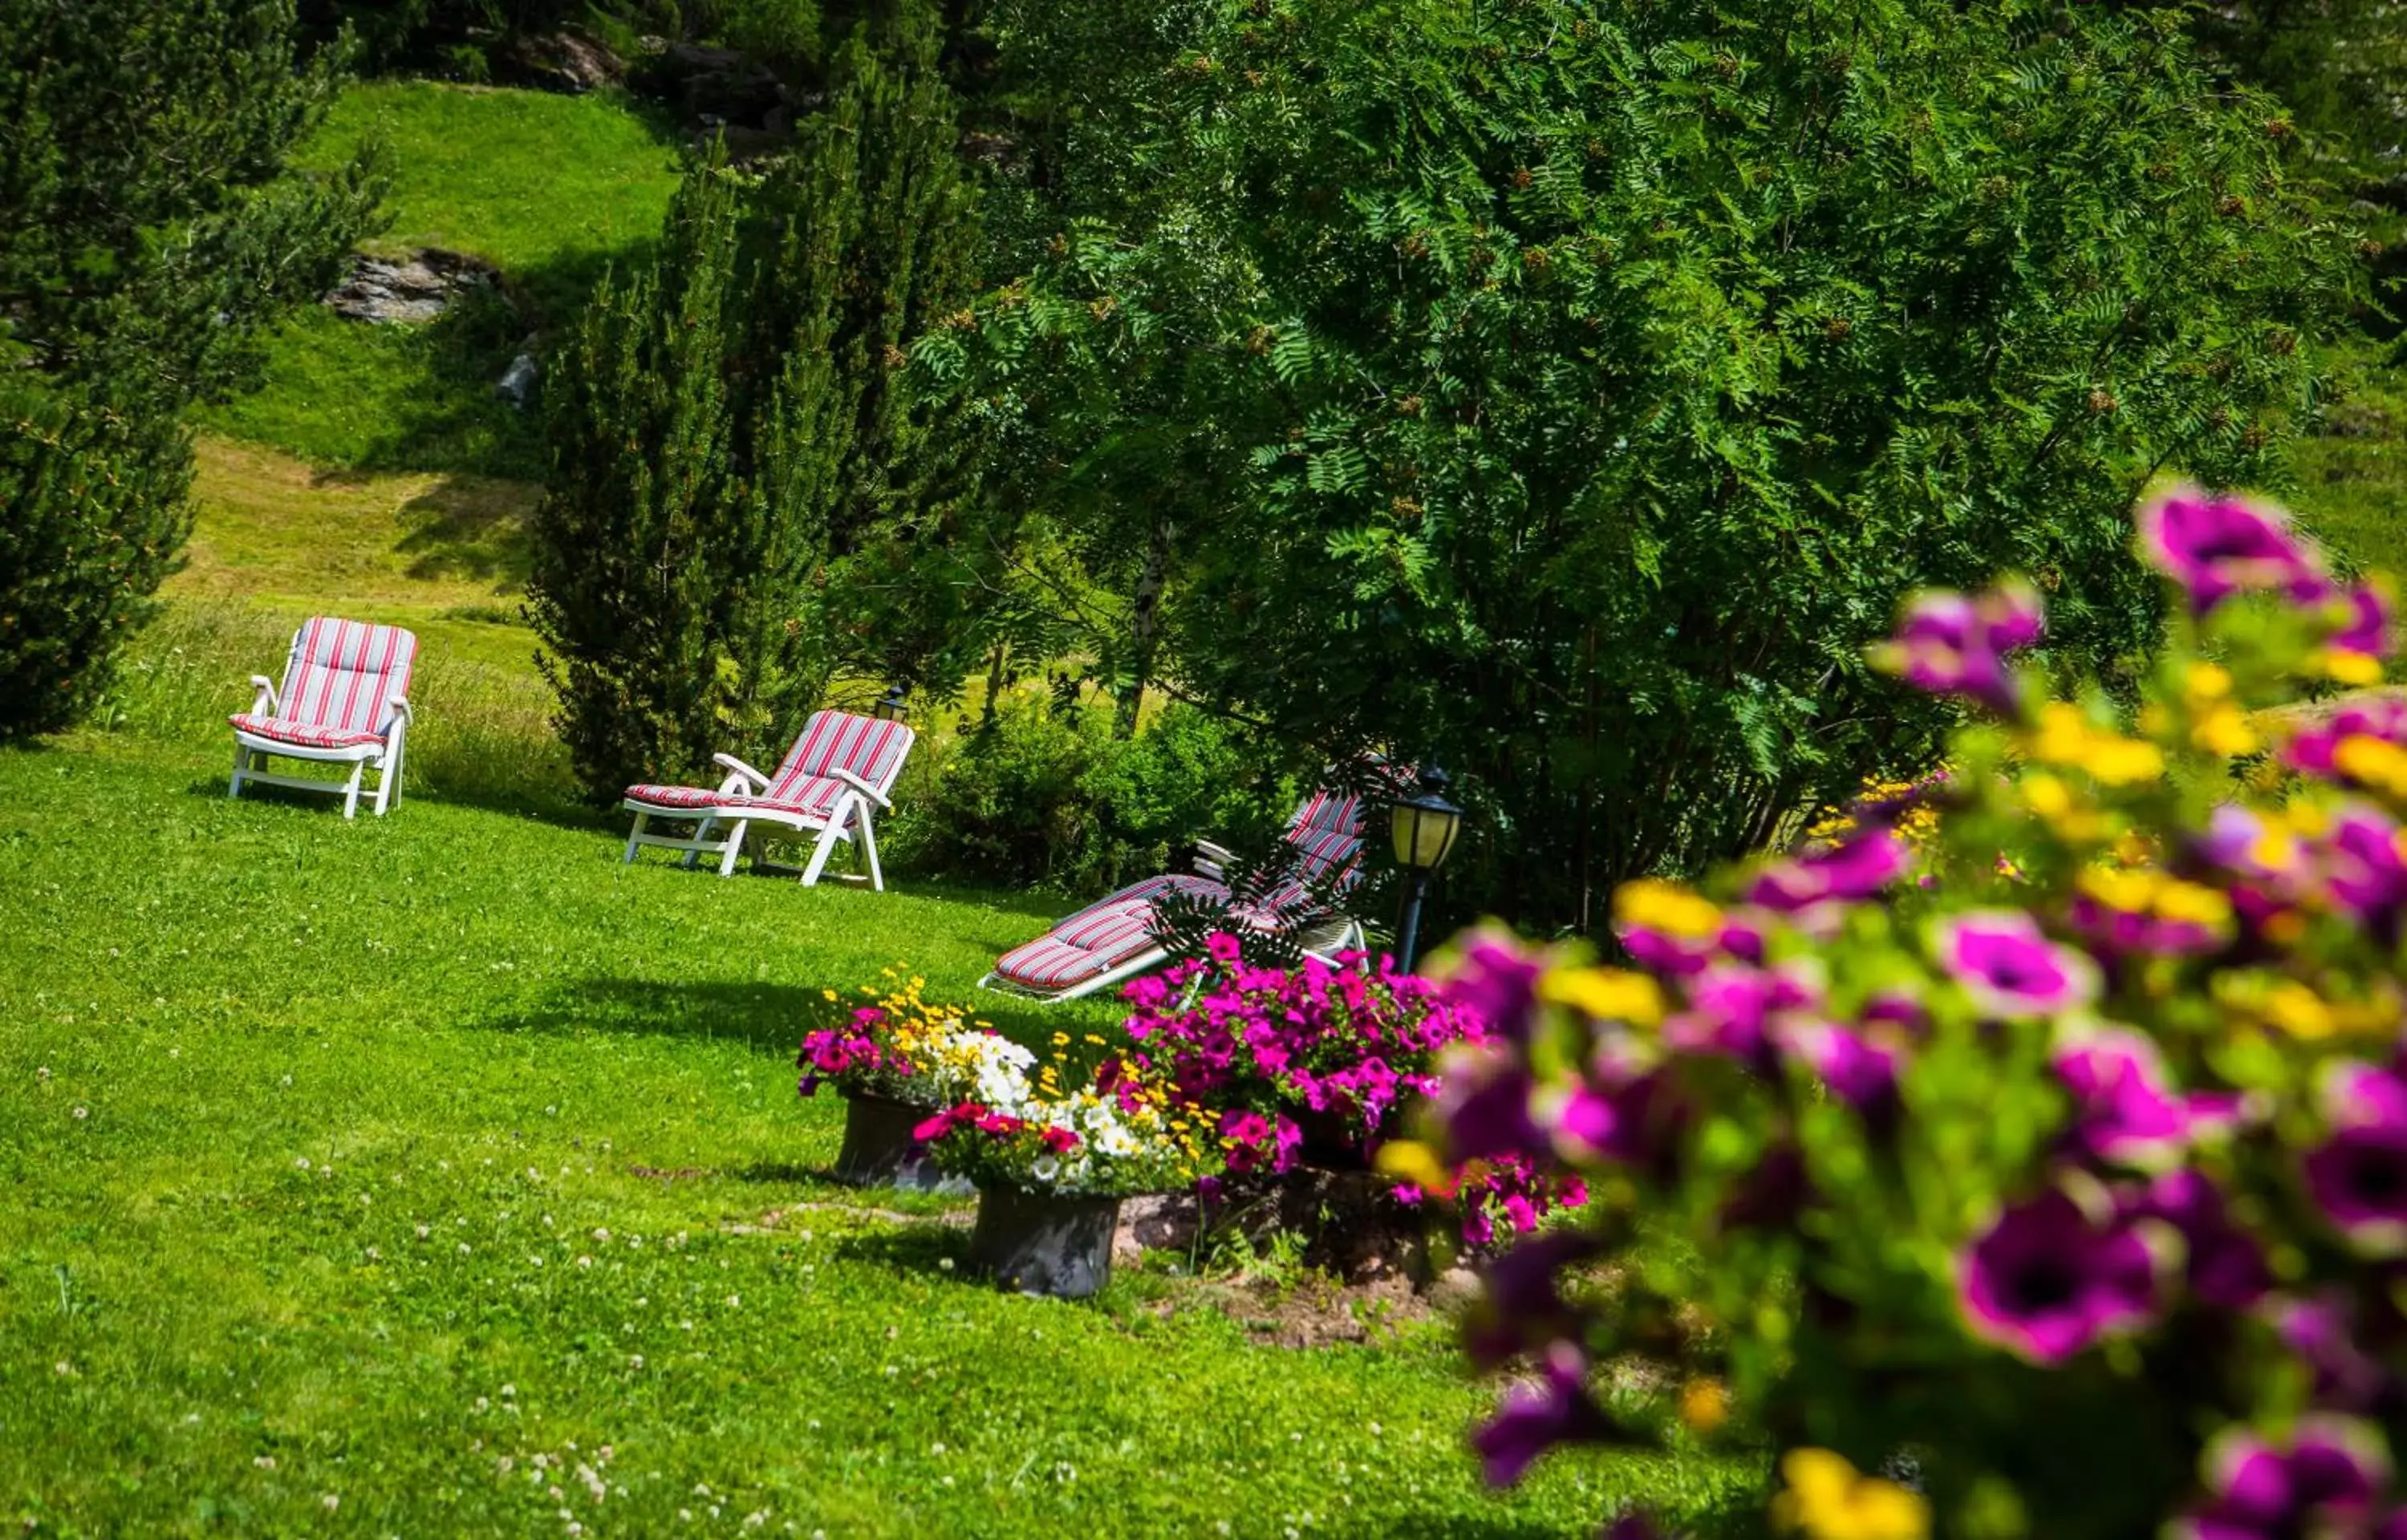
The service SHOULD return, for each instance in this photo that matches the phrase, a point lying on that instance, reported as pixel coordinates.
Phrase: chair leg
(734, 847)
(384, 785)
(242, 763)
(635, 837)
(869, 849)
(702, 828)
(352, 792)
(821, 852)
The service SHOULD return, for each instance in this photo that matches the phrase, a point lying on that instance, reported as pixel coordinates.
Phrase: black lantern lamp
(1424, 828)
(890, 706)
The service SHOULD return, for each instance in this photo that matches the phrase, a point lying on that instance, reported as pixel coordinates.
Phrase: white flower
(332, 1502)
(1045, 1168)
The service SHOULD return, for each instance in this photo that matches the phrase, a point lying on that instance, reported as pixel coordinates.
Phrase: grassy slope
(308, 1125)
(552, 188)
(2353, 477)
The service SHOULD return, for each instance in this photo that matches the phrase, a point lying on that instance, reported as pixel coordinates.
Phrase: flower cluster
(2068, 1150)
(1315, 1061)
(901, 1046)
(1033, 1134)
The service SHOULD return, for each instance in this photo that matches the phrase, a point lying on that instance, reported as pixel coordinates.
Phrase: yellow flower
(1652, 904)
(1705, 1405)
(2204, 684)
(828, 994)
(2226, 731)
(2059, 806)
(1605, 994)
(2350, 667)
(1061, 1039)
(1829, 1499)
(1413, 1161)
(2376, 761)
(2067, 737)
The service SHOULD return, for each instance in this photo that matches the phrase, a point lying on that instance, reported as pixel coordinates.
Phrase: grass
(550, 188)
(2353, 477)
(378, 1177)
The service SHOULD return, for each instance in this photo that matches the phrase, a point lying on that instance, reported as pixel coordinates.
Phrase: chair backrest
(341, 673)
(832, 741)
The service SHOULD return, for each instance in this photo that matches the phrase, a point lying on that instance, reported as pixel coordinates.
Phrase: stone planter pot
(1044, 1243)
(878, 1150)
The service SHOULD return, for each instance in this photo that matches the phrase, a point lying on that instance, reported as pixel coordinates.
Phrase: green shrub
(1048, 796)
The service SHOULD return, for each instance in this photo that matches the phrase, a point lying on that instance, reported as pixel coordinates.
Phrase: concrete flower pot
(1044, 1243)
(878, 1150)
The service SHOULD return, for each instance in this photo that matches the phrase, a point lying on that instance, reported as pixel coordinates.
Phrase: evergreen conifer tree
(744, 474)
(148, 228)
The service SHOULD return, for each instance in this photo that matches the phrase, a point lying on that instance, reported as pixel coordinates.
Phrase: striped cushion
(300, 734)
(341, 673)
(833, 741)
(813, 796)
(681, 799)
(1098, 937)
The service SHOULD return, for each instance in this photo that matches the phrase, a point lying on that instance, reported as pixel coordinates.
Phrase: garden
(1266, 768)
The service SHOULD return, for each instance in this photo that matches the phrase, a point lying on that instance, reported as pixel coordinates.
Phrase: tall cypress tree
(148, 230)
(740, 453)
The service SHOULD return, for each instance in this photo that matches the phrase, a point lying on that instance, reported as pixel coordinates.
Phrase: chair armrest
(267, 701)
(1213, 860)
(400, 704)
(856, 784)
(759, 782)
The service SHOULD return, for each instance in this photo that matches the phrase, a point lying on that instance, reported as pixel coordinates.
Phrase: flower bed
(2069, 1156)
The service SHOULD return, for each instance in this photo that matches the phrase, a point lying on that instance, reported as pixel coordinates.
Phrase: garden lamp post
(1424, 828)
(889, 706)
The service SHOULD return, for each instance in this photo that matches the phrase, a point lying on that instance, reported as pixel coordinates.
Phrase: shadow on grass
(769, 1017)
(921, 1248)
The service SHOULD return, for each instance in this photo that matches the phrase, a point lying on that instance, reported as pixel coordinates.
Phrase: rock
(712, 82)
(569, 61)
(517, 384)
(1452, 1289)
(417, 290)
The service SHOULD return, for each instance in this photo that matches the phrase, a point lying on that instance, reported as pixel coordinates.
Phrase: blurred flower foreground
(2038, 1138)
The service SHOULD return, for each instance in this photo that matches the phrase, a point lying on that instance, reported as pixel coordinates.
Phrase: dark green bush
(1047, 797)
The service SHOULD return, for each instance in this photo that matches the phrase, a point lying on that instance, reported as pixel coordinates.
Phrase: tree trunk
(1144, 626)
(994, 682)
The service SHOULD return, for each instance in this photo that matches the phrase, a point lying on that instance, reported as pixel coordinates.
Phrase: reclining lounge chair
(344, 700)
(834, 779)
(1116, 938)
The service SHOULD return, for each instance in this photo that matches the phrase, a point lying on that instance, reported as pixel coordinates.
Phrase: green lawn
(552, 188)
(2353, 477)
(371, 1179)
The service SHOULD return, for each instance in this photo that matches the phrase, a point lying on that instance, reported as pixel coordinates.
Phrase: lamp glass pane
(1433, 837)
(1401, 823)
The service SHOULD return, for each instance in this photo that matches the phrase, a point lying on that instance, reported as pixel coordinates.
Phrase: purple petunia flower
(2215, 546)
(1536, 1415)
(1497, 982)
(2222, 1263)
(1857, 1070)
(1483, 1103)
(2010, 969)
(2369, 617)
(1956, 644)
(1732, 1005)
(2046, 1280)
(2361, 868)
(2325, 1482)
(2126, 1111)
(1520, 1306)
(2359, 1175)
(2325, 1331)
(1858, 868)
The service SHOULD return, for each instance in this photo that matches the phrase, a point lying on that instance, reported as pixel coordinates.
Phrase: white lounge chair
(344, 699)
(1117, 938)
(835, 779)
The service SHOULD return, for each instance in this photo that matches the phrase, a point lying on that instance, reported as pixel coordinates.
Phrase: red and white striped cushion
(300, 734)
(811, 795)
(833, 740)
(341, 674)
(680, 798)
(1099, 937)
